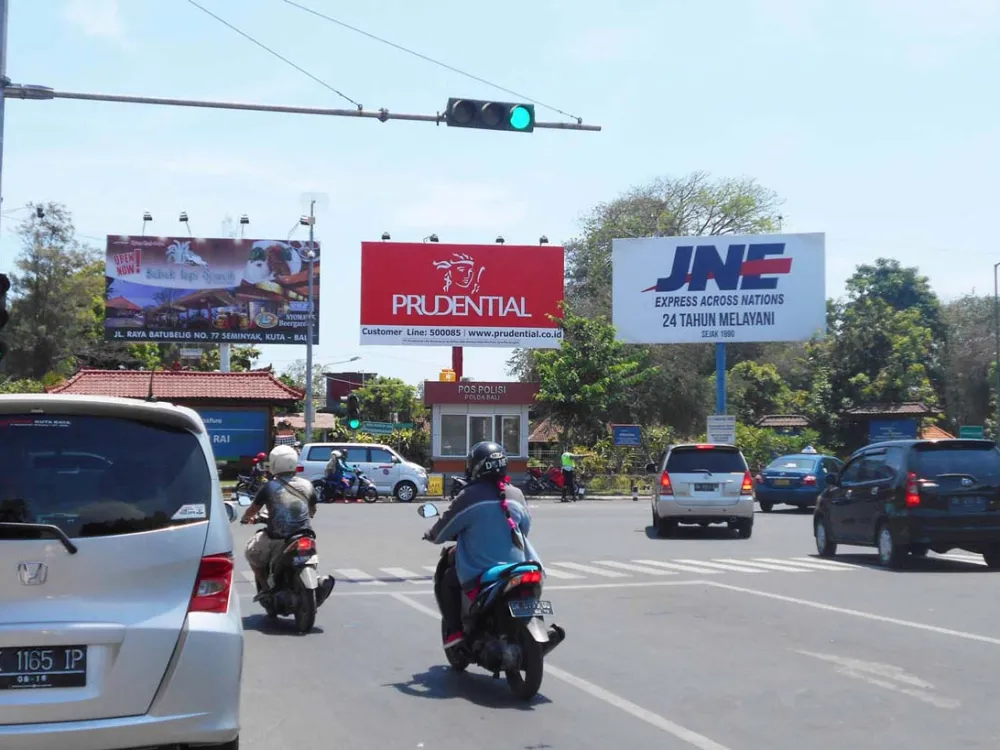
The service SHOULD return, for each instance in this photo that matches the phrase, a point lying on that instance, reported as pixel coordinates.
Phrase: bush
(760, 445)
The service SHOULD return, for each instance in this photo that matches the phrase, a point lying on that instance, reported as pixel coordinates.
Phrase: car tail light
(211, 589)
(304, 544)
(809, 480)
(665, 487)
(299, 469)
(912, 490)
(747, 488)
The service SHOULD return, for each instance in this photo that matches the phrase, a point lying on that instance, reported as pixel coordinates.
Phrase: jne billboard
(417, 294)
(720, 289)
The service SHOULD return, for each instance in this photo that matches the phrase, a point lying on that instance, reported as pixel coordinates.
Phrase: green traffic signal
(354, 424)
(520, 118)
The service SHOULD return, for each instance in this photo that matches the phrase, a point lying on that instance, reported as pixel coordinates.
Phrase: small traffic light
(4, 315)
(475, 113)
(353, 411)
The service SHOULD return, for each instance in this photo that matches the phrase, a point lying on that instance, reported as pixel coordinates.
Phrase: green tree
(382, 397)
(241, 358)
(756, 390)
(52, 312)
(969, 353)
(591, 379)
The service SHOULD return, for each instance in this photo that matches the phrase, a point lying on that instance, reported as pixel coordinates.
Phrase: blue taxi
(796, 479)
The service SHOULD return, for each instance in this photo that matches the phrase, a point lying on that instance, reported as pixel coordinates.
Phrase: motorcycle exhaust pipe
(556, 636)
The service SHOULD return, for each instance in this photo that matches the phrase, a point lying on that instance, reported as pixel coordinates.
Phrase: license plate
(968, 503)
(43, 667)
(529, 608)
(706, 488)
(782, 482)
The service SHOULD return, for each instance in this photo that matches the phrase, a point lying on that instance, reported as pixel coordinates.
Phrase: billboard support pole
(457, 361)
(309, 326)
(720, 378)
(224, 358)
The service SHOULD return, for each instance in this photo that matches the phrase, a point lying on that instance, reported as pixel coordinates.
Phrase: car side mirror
(650, 468)
(243, 499)
(231, 512)
(428, 510)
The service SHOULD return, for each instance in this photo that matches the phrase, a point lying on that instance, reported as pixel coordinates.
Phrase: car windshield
(981, 461)
(792, 464)
(100, 476)
(716, 460)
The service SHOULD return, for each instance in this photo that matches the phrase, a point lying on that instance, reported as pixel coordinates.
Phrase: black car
(906, 497)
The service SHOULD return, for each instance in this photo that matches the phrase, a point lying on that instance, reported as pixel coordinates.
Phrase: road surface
(703, 641)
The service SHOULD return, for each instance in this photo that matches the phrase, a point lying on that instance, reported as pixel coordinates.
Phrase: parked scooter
(503, 623)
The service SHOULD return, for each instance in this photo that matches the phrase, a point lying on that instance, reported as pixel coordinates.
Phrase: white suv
(703, 484)
(120, 626)
(391, 473)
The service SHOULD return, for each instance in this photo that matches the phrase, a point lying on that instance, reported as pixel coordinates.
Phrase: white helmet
(283, 460)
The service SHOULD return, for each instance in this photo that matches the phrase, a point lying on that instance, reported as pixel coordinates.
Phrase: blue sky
(876, 120)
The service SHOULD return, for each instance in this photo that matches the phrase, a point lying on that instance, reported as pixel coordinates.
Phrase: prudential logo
(746, 267)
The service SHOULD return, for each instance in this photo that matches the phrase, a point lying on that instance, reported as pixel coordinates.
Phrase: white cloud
(98, 18)
(461, 206)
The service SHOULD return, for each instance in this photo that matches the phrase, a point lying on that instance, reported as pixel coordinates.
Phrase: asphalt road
(703, 641)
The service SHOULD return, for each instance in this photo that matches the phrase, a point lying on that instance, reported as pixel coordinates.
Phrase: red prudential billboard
(430, 294)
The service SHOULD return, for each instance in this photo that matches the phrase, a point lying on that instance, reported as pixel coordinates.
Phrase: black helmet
(486, 459)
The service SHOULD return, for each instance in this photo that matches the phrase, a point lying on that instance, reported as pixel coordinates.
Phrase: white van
(391, 473)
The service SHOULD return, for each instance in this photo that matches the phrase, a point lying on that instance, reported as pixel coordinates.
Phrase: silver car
(119, 623)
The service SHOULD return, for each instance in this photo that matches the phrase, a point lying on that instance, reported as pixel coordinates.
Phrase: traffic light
(474, 113)
(4, 315)
(353, 411)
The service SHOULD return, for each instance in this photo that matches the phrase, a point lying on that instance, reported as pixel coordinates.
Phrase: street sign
(626, 435)
(971, 432)
(722, 429)
(384, 428)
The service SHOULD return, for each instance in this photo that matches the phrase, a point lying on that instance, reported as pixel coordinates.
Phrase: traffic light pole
(18, 91)
(309, 325)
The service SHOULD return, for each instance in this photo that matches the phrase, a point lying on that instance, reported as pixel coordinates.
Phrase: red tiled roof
(936, 433)
(183, 385)
(544, 432)
(783, 420)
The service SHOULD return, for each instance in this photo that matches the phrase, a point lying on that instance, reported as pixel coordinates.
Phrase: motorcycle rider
(258, 473)
(290, 501)
(335, 474)
(490, 522)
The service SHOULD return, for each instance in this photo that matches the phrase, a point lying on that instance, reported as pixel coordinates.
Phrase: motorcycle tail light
(304, 544)
(534, 576)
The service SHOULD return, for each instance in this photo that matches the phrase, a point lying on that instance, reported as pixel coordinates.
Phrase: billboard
(236, 433)
(719, 289)
(431, 294)
(166, 289)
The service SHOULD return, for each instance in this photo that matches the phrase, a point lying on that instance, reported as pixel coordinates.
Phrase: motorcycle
(249, 484)
(503, 622)
(293, 580)
(550, 482)
(363, 489)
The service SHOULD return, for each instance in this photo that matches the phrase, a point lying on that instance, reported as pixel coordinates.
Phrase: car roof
(695, 445)
(161, 412)
(811, 456)
(344, 445)
(909, 443)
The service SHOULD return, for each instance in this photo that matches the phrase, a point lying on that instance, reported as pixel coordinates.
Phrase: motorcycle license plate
(529, 608)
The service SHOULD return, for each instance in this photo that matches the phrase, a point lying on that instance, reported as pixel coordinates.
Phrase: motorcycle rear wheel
(532, 665)
(305, 610)
(456, 658)
(370, 495)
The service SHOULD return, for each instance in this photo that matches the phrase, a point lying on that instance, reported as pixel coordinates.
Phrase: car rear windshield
(791, 464)
(981, 461)
(100, 476)
(715, 460)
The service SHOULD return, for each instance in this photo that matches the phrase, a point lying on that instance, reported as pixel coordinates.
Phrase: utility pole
(309, 323)
(4, 82)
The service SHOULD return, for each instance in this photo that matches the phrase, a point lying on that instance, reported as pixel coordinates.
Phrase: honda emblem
(32, 573)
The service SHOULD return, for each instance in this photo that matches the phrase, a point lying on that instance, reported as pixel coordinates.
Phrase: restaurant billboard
(222, 290)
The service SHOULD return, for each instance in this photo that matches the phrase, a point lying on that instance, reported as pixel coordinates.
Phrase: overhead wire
(431, 60)
(284, 59)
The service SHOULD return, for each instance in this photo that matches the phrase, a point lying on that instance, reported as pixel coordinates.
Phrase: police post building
(465, 413)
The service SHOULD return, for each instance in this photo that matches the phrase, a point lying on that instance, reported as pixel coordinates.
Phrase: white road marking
(247, 576)
(554, 573)
(857, 613)
(590, 569)
(713, 564)
(701, 570)
(558, 587)
(811, 564)
(430, 568)
(766, 566)
(358, 576)
(636, 568)
(969, 559)
(831, 563)
(699, 741)
(886, 676)
(407, 575)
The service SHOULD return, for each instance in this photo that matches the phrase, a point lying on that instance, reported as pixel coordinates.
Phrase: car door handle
(874, 491)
